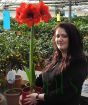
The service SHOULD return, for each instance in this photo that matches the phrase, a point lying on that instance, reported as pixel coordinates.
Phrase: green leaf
(32, 77)
(27, 73)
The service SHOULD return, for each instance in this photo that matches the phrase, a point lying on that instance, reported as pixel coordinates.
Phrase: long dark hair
(75, 50)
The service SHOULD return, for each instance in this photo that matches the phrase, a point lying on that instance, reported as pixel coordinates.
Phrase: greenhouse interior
(43, 52)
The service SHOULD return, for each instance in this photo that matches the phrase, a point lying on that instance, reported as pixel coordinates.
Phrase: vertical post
(55, 8)
(70, 9)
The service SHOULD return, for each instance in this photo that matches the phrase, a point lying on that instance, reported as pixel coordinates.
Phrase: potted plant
(12, 93)
(31, 15)
(12, 96)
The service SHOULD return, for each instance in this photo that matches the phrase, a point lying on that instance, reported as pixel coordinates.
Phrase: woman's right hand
(29, 99)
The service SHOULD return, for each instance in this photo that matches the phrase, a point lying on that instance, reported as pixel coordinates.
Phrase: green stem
(32, 71)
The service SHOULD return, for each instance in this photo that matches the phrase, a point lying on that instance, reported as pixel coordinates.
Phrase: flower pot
(27, 91)
(37, 88)
(18, 81)
(12, 96)
(2, 100)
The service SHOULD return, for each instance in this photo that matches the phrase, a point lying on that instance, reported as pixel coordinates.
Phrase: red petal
(44, 11)
(30, 15)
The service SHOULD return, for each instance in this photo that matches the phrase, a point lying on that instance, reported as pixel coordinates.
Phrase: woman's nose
(60, 38)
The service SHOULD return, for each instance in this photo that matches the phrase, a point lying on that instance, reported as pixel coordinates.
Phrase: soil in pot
(37, 88)
(12, 96)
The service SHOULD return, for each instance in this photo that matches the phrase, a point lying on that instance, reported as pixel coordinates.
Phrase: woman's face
(61, 39)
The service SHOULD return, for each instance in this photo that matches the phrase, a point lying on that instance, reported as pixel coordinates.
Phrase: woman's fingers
(27, 99)
(30, 101)
(27, 102)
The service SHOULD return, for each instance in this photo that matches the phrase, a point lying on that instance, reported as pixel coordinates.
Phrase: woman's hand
(31, 99)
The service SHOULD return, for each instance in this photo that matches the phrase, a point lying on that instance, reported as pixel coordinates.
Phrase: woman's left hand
(31, 99)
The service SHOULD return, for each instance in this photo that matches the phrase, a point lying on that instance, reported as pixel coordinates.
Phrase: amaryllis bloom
(44, 11)
(30, 15)
(19, 11)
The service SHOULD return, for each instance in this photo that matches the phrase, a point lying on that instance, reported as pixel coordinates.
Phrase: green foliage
(12, 49)
(82, 24)
(27, 71)
(85, 43)
(14, 43)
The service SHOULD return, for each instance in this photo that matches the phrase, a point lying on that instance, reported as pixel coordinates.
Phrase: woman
(63, 77)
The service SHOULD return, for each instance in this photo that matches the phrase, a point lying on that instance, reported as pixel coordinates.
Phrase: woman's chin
(62, 49)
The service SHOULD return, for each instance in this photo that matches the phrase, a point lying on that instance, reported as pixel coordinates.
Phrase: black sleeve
(39, 81)
(73, 87)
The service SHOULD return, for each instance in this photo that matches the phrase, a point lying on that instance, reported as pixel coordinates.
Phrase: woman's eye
(62, 35)
(58, 36)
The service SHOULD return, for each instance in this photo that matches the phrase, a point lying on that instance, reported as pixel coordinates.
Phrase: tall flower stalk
(32, 14)
(32, 66)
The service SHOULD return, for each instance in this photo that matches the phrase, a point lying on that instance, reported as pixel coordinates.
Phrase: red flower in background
(19, 12)
(44, 11)
(32, 14)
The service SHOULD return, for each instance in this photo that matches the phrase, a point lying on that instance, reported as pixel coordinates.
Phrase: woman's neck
(64, 54)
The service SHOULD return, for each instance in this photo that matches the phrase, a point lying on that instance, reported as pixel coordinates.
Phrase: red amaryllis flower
(44, 11)
(18, 13)
(30, 15)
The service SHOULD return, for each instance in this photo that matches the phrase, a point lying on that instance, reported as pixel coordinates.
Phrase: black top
(64, 88)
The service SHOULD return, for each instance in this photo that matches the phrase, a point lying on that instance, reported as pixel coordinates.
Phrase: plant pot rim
(37, 89)
(11, 94)
(27, 84)
(26, 89)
